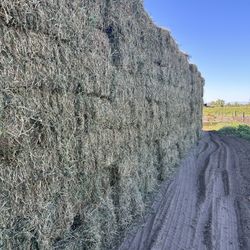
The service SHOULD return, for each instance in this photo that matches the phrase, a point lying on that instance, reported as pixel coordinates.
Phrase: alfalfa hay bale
(96, 108)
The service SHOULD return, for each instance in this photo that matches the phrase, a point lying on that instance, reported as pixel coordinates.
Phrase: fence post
(243, 116)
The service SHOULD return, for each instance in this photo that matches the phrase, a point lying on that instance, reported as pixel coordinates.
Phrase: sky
(216, 34)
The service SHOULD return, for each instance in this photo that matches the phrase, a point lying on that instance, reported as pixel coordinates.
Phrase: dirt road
(206, 206)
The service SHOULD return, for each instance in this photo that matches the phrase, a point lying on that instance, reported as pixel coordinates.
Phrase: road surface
(206, 206)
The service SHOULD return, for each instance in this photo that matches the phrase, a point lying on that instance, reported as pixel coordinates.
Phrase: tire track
(225, 181)
(205, 167)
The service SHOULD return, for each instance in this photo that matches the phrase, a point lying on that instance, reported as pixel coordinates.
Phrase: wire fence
(241, 118)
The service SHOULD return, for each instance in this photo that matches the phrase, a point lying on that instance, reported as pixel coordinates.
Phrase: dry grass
(87, 129)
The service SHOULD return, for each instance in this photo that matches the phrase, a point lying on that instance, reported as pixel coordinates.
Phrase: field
(216, 118)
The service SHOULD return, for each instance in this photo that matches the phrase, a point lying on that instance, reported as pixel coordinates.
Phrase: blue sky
(216, 34)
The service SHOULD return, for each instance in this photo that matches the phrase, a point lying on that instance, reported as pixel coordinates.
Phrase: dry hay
(97, 106)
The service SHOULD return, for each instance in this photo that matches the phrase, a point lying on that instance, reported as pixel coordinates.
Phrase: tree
(218, 103)
(236, 104)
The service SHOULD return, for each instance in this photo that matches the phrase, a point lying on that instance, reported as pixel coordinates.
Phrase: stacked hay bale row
(97, 105)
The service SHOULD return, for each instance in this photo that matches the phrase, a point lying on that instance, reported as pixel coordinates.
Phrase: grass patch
(208, 126)
(242, 131)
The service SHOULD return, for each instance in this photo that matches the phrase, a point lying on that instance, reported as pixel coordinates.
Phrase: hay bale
(96, 108)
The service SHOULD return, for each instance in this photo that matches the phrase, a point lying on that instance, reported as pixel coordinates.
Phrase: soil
(206, 206)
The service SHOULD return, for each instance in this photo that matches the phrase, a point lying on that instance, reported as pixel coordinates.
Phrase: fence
(242, 118)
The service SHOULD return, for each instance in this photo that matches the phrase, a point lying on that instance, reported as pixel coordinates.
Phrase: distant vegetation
(218, 103)
(222, 103)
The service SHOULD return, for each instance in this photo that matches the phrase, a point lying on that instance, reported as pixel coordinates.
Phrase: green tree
(218, 103)
(236, 104)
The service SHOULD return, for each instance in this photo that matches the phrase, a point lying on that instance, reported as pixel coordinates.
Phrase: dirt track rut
(206, 206)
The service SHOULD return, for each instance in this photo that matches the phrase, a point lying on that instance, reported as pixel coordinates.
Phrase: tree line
(222, 103)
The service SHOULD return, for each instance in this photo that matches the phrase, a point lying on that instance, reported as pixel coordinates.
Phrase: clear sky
(216, 34)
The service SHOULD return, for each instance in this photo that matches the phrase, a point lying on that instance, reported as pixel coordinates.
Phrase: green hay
(97, 105)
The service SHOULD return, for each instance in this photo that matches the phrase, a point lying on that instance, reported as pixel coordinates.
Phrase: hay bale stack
(97, 105)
